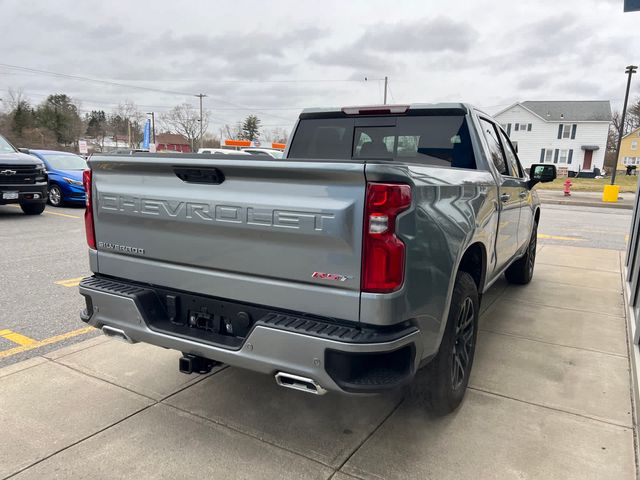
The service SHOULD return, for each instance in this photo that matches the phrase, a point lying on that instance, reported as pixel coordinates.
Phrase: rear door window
(423, 139)
(495, 150)
(514, 165)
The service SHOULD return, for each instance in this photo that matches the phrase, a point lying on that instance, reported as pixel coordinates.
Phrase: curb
(620, 206)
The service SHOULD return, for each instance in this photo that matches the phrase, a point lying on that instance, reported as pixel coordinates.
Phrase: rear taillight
(88, 213)
(382, 251)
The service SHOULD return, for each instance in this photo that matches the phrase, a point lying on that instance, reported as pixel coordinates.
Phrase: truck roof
(408, 107)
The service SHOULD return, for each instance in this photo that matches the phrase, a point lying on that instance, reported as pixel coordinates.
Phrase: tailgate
(250, 230)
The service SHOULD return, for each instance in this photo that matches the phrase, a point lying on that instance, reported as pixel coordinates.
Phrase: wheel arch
(474, 262)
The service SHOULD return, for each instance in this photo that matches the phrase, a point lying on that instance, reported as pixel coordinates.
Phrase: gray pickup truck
(348, 266)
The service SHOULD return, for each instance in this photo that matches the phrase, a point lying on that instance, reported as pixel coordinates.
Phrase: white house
(571, 134)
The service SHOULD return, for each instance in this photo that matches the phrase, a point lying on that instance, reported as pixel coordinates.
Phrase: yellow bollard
(610, 193)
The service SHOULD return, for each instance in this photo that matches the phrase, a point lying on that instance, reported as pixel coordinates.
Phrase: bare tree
(16, 98)
(184, 119)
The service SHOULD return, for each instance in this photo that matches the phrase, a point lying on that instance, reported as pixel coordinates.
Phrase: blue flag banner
(147, 134)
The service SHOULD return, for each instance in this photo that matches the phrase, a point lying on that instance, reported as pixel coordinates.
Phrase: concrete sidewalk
(625, 201)
(549, 398)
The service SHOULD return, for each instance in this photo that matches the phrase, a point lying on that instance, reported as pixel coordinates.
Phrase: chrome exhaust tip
(303, 384)
(116, 333)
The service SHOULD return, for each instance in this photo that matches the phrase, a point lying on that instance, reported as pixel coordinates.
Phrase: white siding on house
(545, 135)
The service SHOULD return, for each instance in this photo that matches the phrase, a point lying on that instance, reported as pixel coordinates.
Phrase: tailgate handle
(208, 175)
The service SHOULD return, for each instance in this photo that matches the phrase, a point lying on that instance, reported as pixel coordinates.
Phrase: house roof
(635, 130)
(577, 111)
(171, 139)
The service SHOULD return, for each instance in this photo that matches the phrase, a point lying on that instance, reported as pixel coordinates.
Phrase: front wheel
(441, 385)
(521, 271)
(55, 196)
(32, 208)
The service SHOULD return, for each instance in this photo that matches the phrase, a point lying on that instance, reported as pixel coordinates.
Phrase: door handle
(505, 197)
(523, 194)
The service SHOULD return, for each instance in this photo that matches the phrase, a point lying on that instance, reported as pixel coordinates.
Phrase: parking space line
(45, 342)
(61, 214)
(47, 212)
(557, 237)
(70, 282)
(16, 337)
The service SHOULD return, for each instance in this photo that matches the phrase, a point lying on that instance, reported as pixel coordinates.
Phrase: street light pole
(201, 96)
(153, 126)
(386, 83)
(631, 69)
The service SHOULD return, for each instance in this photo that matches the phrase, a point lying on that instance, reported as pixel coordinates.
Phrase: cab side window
(512, 158)
(495, 150)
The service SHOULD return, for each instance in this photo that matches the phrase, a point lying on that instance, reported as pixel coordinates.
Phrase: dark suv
(23, 179)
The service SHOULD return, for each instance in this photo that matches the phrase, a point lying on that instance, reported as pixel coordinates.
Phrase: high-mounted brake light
(88, 213)
(383, 252)
(375, 110)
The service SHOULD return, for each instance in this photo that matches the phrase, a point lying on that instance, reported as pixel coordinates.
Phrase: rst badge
(331, 276)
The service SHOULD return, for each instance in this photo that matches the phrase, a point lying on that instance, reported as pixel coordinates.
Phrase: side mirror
(24, 150)
(541, 174)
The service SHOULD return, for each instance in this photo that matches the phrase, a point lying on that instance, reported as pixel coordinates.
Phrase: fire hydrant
(567, 188)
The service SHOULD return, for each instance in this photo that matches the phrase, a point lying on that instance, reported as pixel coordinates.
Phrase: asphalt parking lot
(44, 258)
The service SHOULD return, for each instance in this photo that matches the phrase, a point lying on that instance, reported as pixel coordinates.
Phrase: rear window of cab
(441, 140)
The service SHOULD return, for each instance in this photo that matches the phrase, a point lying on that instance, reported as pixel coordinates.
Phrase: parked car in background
(277, 154)
(225, 151)
(23, 179)
(65, 176)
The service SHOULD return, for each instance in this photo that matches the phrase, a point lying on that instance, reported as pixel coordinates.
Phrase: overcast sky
(274, 58)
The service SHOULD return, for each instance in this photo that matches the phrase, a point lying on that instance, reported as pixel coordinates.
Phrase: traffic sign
(82, 146)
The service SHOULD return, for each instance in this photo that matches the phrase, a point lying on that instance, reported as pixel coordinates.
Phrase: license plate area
(10, 195)
(206, 319)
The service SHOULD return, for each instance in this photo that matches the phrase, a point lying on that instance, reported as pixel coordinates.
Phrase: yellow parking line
(70, 282)
(47, 212)
(61, 214)
(16, 337)
(46, 341)
(557, 237)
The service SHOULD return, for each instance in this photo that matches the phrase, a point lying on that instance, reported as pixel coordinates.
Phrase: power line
(93, 80)
(125, 85)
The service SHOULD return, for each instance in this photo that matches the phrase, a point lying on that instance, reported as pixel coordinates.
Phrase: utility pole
(201, 96)
(386, 83)
(153, 126)
(630, 70)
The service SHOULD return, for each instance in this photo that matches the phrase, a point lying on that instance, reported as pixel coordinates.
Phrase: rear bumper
(356, 361)
(26, 193)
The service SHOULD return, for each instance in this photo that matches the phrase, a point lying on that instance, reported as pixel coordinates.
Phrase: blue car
(65, 176)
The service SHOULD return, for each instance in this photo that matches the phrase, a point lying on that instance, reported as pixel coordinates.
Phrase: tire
(520, 272)
(55, 197)
(441, 384)
(32, 208)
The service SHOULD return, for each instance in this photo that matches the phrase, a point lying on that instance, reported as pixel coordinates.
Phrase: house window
(523, 127)
(564, 155)
(634, 145)
(548, 155)
(566, 131)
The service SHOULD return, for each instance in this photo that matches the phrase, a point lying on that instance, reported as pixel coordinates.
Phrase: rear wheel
(441, 385)
(521, 271)
(55, 196)
(32, 208)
